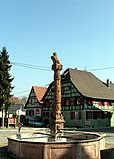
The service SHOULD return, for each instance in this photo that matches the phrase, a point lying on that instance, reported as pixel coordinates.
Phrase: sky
(80, 31)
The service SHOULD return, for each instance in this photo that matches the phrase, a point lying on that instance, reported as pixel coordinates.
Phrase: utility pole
(3, 115)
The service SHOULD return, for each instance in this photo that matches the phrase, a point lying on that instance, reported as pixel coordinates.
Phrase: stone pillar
(57, 118)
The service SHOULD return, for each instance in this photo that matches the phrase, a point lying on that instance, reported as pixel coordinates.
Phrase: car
(35, 123)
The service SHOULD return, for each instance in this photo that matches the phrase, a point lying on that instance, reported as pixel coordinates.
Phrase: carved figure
(55, 58)
(58, 120)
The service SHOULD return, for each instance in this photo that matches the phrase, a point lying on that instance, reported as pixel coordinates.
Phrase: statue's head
(54, 54)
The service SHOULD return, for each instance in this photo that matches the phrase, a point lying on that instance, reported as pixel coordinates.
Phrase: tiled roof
(89, 85)
(15, 107)
(14, 100)
(39, 92)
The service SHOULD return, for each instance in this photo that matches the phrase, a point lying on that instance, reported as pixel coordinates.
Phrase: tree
(5, 79)
(23, 100)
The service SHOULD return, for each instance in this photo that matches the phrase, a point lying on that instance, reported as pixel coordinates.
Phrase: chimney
(108, 83)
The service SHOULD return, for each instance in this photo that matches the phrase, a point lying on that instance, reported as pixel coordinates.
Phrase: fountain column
(57, 118)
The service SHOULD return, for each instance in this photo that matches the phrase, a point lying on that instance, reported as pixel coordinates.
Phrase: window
(33, 100)
(97, 115)
(72, 101)
(89, 102)
(102, 115)
(29, 112)
(89, 115)
(75, 115)
(52, 90)
(80, 101)
(48, 103)
(106, 114)
(72, 115)
(102, 103)
(68, 101)
(30, 101)
(46, 114)
(78, 115)
(109, 103)
(62, 90)
(94, 115)
(63, 102)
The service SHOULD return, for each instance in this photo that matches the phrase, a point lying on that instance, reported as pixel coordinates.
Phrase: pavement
(6, 132)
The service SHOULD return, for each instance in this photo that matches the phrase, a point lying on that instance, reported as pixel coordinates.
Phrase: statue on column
(57, 119)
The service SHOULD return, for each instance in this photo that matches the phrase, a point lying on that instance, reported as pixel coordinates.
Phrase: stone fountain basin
(42, 145)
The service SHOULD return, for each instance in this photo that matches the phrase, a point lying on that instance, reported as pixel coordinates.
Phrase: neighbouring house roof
(14, 107)
(14, 100)
(89, 85)
(39, 92)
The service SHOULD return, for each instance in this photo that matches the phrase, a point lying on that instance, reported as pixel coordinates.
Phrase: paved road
(4, 133)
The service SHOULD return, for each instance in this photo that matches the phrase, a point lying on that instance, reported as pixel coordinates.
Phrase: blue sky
(80, 31)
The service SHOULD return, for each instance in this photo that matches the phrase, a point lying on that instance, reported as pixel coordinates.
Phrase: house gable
(34, 99)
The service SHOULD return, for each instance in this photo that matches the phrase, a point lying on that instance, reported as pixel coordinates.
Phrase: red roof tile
(14, 100)
(39, 92)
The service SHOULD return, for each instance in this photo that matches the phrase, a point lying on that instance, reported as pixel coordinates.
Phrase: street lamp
(3, 107)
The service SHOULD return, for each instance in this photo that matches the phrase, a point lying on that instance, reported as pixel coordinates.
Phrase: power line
(31, 66)
(44, 68)
(98, 69)
(26, 95)
(22, 92)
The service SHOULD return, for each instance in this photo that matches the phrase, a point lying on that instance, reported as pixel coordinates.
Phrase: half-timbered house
(33, 105)
(86, 101)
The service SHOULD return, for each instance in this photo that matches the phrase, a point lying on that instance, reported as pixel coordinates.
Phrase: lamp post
(3, 115)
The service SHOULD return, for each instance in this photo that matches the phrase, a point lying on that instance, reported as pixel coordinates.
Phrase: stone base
(55, 149)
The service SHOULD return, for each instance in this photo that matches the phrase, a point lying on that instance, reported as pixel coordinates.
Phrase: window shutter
(71, 115)
(63, 102)
(79, 115)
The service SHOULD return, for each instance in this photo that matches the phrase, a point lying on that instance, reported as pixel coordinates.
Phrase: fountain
(56, 143)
